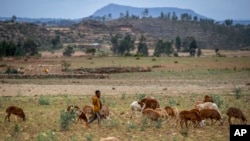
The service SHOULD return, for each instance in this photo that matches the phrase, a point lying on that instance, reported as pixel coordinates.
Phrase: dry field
(178, 82)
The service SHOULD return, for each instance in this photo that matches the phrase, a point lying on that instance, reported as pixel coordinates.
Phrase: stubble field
(178, 82)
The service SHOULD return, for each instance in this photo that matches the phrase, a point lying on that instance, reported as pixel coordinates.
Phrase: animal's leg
(8, 117)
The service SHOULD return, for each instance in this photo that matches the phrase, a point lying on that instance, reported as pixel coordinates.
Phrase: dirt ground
(114, 87)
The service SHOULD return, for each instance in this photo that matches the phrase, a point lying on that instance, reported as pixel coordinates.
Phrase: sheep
(208, 105)
(135, 106)
(185, 116)
(236, 113)
(172, 111)
(105, 112)
(152, 114)
(16, 111)
(149, 103)
(212, 114)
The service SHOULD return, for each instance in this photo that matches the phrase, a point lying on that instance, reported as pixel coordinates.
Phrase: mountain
(115, 10)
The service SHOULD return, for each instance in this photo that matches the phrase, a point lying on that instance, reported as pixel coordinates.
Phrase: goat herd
(206, 109)
(150, 107)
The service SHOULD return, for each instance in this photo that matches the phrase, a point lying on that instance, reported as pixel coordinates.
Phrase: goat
(212, 114)
(185, 116)
(236, 113)
(208, 99)
(208, 105)
(150, 113)
(87, 109)
(105, 112)
(163, 113)
(135, 106)
(16, 111)
(149, 103)
(81, 115)
(173, 112)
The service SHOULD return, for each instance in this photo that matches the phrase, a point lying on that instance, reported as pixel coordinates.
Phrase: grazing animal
(72, 108)
(105, 112)
(80, 114)
(87, 109)
(163, 113)
(15, 111)
(236, 113)
(109, 139)
(151, 113)
(211, 114)
(208, 105)
(150, 102)
(82, 117)
(208, 99)
(135, 106)
(192, 115)
(173, 112)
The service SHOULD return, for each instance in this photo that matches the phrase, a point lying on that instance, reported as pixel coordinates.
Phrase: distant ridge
(115, 10)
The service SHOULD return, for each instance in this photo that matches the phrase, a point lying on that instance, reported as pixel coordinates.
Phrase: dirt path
(199, 87)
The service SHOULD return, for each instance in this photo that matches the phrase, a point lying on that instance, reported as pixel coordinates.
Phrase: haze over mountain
(116, 10)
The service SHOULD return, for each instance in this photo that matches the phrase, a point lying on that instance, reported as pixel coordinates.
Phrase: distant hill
(115, 10)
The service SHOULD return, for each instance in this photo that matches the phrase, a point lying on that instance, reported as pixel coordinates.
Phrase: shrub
(140, 96)
(44, 101)
(66, 119)
(131, 126)
(237, 93)
(184, 132)
(10, 70)
(158, 123)
(218, 101)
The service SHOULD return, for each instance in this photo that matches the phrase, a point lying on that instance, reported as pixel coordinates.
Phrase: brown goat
(236, 113)
(211, 114)
(87, 109)
(149, 103)
(81, 115)
(152, 114)
(163, 113)
(16, 111)
(185, 116)
(208, 99)
(172, 111)
(105, 112)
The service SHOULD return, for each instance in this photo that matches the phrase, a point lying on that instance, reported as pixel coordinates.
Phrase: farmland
(174, 81)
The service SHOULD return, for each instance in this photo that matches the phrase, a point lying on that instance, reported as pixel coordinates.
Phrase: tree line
(123, 45)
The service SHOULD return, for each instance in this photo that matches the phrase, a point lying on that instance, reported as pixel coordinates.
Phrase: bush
(11, 71)
(218, 101)
(237, 93)
(44, 101)
(66, 119)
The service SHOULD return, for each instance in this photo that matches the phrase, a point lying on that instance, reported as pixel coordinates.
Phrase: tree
(30, 47)
(163, 48)
(56, 42)
(91, 51)
(199, 52)
(142, 47)
(13, 19)
(178, 43)
(68, 51)
(145, 12)
(192, 48)
(115, 44)
(228, 22)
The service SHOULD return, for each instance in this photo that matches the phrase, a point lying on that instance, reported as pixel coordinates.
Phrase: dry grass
(173, 81)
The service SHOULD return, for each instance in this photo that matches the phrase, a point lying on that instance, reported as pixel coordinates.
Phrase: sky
(74, 9)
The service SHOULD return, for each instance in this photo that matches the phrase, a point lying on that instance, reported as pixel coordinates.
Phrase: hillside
(117, 11)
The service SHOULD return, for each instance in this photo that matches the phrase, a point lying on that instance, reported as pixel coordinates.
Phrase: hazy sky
(71, 9)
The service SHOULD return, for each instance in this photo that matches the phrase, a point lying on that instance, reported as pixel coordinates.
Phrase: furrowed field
(178, 82)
